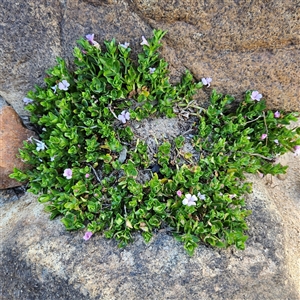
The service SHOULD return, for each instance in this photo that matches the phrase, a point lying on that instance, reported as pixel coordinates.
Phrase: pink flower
(125, 45)
(63, 85)
(206, 81)
(87, 235)
(144, 41)
(68, 173)
(124, 116)
(261, 175)
(179, 193)
(90, 38)
(40, 145)
(29, 140)
(87, 175)
(276, 114)
(263, 136)
(297, 150)
(256, 96)
(27, 100)
(189, 200)
(201, 197)
(152, 70)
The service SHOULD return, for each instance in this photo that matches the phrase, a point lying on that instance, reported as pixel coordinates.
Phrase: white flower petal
(185, 201)
(194, 198)
(121, 118)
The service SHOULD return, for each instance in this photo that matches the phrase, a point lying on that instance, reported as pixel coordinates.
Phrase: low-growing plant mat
(121, 149)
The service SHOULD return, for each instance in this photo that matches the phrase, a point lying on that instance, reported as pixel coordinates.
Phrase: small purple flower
(64, 85)
(261, 175)
(276, 114)
(144, 41)
(87, 235)
(276, 161)
(125, 45)
(179, 193)
(90, 38)
(87, 175)
(68, 173)
(297, 150)
(232, 196)
(276, 141)
(256, 96)
(263, 136)
(27, 101)
(54, 88)
(206, 81)
(40, 145)
(152, 70)
(200, 196)
(189, 200)
(124, 116)
(29, 140)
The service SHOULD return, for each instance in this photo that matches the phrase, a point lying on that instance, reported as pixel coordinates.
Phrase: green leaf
(45, 198)
(18, 175)
(79, 188)
(130, 169)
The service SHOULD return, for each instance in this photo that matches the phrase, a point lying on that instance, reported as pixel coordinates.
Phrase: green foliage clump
(88, 163)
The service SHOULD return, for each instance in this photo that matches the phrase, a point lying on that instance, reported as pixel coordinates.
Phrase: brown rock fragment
(12, 135)
(241, 45)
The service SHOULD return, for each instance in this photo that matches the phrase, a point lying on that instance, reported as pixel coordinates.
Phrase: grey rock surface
(241, 45)
(40, 260)
(30, 38)
(2, 103)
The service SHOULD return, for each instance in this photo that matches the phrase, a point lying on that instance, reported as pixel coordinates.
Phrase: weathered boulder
(40, 260)
(241, 45)
(30, 39)
(12, 135)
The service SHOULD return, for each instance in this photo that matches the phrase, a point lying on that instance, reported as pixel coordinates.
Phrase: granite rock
(240, 44)
(40, 260)
(30, 38)
(12, 135)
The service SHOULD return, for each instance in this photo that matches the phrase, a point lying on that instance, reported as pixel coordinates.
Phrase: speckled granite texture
(240, 44)
(40, 260)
